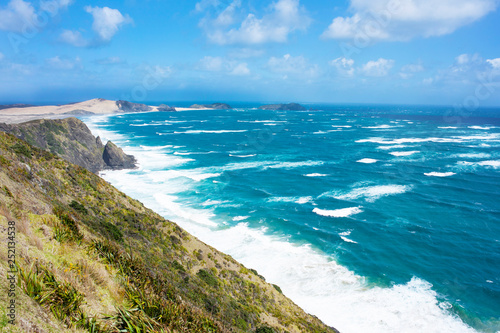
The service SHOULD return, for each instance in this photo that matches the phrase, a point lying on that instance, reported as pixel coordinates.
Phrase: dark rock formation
(217, 106)
(115, 158)
(71, 139)
(164, 107)
(283, 107)
(132, 107)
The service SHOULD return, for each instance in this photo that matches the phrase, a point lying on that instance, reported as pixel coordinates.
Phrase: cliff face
(93, 259)
(71, 139)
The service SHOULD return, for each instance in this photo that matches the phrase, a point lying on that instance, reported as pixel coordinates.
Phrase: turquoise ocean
(373, 218)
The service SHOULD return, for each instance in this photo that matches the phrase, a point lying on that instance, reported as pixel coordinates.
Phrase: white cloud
(408, 71)
(241, 69)
(403, 20)
(219, 64)
(107, 21)
(204, 4)
(16, 16)
(293, 65)
(246, 53)
(344, 66)
(284, 17)
(212, 64)
(54, 6)
(109, 61)
(63, 63)
(377, 68)
(495, 63)
(74, 38)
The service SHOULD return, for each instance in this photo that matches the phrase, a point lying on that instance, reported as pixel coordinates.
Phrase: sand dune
(93, 106)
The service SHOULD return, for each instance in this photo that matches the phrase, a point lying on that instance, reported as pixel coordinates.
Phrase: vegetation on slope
(92, 259)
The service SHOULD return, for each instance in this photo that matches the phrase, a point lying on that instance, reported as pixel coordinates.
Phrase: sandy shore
(95, 106)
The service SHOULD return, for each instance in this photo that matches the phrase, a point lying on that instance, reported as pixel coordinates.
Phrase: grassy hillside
(92, 259)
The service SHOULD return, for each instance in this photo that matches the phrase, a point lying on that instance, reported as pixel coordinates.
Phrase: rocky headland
(72, 140)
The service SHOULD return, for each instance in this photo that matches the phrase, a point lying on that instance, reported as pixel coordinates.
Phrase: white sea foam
(240, 218)
(447, 127)
(347, 240)
(480, 127)
(344, 212)
(473, 155)
(292, 165)
(440, 174)
(403, 153)
(194, 153)
(454, 139)
(370, 193)
(316, 175)
(299, 200)
(243, 156)
(391, 147)
(367, 160)
(329, 131)
(342, 126)
(493, 163)
(310, 278)
(210, 131)
(194, 174)
(379, 127)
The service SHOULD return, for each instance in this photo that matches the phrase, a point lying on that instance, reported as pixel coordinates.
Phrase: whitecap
(370, 193)
(343, 212)
(480, 127)
(243, 156)
(379, 127)
(403, 153)
(391, 147)
(439, 174)
(240, 218)
(316, 175)
(210, 131)
(367, 160)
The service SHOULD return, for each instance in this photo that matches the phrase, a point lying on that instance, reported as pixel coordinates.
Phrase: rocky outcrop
(283, 107)
(71, 139)
(164, 107)
(217, 106)
(126, 106)
(115, 158)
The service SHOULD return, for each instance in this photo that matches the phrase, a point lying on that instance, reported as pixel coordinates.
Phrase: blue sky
(443, 52)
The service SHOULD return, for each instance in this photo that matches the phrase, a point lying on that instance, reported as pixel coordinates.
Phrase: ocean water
(373, 218)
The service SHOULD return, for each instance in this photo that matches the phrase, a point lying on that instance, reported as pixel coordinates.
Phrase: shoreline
(93, 107)
(310, 278)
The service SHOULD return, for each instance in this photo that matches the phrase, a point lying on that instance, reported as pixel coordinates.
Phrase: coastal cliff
(90, 258)
(71, 139)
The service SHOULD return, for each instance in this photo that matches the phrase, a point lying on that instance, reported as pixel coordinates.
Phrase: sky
(444, 52)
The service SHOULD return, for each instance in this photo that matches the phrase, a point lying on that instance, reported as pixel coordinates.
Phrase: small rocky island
(283, 107)
(217, 106)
